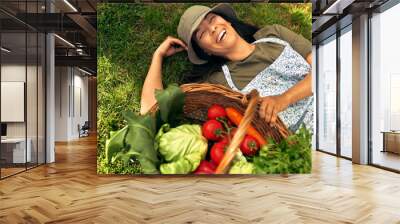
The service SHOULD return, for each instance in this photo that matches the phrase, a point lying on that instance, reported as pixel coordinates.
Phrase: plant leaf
(115, 144)
(140, 139)
(170, 102)
(291, 155)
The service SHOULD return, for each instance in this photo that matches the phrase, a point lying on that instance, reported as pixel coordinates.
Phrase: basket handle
(239, 135)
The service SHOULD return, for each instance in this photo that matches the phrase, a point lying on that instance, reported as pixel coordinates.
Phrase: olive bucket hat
(192, 18)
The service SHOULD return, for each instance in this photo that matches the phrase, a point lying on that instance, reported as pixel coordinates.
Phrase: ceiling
(332, 15)
(74, 22)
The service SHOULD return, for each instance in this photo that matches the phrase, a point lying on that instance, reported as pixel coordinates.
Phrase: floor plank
(70, 191)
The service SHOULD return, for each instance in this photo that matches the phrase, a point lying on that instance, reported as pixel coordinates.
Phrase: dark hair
(199, 72)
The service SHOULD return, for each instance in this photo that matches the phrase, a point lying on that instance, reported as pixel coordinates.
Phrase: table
(16, 147)
(391, 141)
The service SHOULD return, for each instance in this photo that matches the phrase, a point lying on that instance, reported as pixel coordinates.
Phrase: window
(327, 95)
(346, 74)
(385, 89)
(22, 77)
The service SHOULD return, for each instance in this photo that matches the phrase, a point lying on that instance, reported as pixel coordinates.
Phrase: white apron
(286, 71)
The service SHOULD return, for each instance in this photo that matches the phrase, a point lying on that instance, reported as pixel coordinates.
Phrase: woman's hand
(271, 106)
(167, 47)
(153, 79)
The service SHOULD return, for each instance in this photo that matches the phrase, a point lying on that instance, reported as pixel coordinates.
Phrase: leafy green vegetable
(116, 142)
(182, 148)
(137, 139)
(140, 140)
(291, 155)
(170, 102)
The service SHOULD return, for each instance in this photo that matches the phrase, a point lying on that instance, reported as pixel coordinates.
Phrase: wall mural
(204, 89)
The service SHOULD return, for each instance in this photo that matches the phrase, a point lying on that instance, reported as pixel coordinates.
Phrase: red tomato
(226, 139)
(230, 123)
(217, 152)
(213, 130)
(213, 165)
(216, 111)
(249, 146)
(205, 167)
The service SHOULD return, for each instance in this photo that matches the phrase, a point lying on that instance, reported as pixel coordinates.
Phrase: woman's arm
(302, 89)
(272, 105)
(309, 59)
(152, 82)
(153, 79)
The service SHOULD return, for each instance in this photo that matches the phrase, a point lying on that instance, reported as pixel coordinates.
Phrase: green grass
(128, 34)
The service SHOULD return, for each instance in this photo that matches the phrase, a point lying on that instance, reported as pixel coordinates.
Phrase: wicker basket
(199, 97)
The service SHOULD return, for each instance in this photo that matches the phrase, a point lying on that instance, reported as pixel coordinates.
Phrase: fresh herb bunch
(291, 155)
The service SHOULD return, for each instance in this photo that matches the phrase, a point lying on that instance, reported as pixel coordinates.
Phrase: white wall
(34, 125)
(12, 73)
(80, 102)
(16, 73)
(61, 103)
(70, 83)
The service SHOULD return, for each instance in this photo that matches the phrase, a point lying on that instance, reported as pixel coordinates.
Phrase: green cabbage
(182, 148)
(242, 167)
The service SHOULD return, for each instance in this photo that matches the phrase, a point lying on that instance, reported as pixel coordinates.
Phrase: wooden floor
(10, 171)
(69, 191)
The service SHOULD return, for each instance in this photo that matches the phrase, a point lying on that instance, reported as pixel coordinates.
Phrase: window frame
(338, 33)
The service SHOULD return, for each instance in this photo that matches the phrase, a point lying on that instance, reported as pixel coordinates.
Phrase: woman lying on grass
(226, 51)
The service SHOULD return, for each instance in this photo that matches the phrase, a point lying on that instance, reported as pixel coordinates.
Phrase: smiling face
(215, 35)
